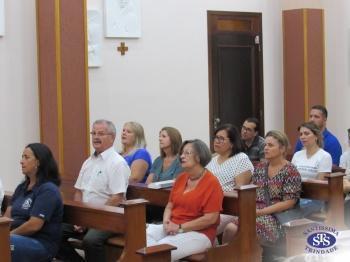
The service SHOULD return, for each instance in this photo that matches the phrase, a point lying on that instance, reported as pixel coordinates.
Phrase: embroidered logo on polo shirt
(27, 203)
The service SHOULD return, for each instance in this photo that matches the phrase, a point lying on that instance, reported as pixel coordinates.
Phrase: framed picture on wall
(2, 17)
(94, 25)
(122, 18)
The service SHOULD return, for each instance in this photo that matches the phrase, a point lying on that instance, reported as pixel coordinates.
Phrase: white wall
(163, 78)
(19, 112)
(337, 32)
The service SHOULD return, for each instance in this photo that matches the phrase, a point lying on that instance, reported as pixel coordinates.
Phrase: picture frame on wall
(94, 26)
(122, 18)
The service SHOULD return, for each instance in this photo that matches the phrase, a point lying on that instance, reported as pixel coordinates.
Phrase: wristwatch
(180, 230)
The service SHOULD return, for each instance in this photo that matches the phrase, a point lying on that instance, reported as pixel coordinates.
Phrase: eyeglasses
(247, 129)
(219, 139)
(186, 153)
(99, 134)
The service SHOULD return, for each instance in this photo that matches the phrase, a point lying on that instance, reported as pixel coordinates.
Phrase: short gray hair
(201, 150)
(110, 126)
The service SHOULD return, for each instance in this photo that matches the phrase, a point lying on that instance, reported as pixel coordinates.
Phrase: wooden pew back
(130, 220)
(5, 230)
(330, 191)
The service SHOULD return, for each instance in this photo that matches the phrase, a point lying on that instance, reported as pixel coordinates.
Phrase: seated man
(103, 179)
(252, 142)
(318, 115)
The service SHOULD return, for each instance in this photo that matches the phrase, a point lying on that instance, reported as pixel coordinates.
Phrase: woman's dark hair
(47, 169)
(234, 137)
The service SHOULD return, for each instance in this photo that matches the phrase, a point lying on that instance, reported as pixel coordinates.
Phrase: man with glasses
(103, 180)
(253, 143)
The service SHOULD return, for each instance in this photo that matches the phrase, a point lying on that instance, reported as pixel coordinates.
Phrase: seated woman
(230, 165)
(36, 207)
(312, 161)
(135, 153)
(167, 166)
(192, 213)
(278, 189)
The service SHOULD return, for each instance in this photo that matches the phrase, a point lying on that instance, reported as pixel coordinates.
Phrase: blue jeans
(27, 249)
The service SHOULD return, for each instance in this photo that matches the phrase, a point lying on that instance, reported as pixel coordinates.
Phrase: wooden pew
(119, 220)
(331, 191)
(6, 201)
(5, 230)
(241, 203)
(5, 239)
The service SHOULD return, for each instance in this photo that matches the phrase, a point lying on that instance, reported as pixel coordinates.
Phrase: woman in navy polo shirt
(36, 207)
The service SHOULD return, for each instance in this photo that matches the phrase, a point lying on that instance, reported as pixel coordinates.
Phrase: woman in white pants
(192, 213)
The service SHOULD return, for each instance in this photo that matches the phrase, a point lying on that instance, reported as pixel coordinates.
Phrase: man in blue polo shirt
(318, 115)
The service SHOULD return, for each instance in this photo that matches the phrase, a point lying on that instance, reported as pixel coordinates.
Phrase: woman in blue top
(167, 165)
(36, 207)
(134, 151)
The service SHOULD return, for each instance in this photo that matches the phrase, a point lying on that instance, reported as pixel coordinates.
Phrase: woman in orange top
(192, 213)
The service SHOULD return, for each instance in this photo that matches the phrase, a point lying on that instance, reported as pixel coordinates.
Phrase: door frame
(253, 21)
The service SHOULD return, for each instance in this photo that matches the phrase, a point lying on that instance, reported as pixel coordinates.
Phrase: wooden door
(235, 68)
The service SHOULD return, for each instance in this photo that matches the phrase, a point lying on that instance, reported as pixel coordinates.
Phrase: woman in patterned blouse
(230, 165)
(283, 183)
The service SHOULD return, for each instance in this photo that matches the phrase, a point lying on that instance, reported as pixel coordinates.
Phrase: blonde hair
(281, 138)
(137, 129)
(315, 130)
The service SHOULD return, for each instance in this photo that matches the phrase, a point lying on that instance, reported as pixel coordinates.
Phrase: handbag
(287, 215)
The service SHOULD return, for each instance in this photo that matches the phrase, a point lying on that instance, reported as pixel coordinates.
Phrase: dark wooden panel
(74, 86)
(5, 239)
(315, 57)
(234, 26)
(63, 82)
(294, 82)
(47, 74)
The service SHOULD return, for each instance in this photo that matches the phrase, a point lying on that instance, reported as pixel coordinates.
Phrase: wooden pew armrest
(133, 202)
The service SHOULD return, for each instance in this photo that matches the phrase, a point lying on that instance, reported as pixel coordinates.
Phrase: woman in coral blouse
(192, 213)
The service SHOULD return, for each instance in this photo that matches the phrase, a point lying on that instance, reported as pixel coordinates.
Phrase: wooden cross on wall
(122, 48)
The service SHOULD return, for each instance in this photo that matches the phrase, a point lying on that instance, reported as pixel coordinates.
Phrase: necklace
(197, 177)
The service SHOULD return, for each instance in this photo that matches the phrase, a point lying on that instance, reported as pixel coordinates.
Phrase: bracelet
(180, 230)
